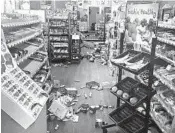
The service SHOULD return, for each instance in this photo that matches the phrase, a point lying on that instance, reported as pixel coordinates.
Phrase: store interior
(87, 66)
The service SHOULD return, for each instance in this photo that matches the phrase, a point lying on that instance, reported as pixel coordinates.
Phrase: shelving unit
(162, 24)
(133, 84)
(22, 39)
(162, 76)
(58, 36)
(73, 20)
(100, 30)
(75, 49)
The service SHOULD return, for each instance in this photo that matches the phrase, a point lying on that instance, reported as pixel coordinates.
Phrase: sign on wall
(141, 24)
(141, 11)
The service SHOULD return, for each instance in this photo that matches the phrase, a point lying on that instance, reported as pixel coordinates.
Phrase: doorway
(92, 17)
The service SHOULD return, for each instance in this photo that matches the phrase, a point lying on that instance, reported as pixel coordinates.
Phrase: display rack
(73, 20)
(146, 98)
(58, 37)
(170, 108)
(75, 49)
(25, 99)
(24, 39)
(100, 30)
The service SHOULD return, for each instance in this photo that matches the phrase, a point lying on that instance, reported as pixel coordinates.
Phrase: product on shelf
(133, 62)
(38, 57)
(161, 116)
(20, 34)
(121, 59)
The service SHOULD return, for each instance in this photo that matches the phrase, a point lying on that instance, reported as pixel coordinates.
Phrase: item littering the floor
(85, 95)
(99, 88)
(92, 84)
(111, 107)
(107, 85)
(58, 109)
(56, 127)
(75, 118)
(72, 104)
(105, 106)
(72, 91)
(90, 94)
(56, 83)
(78, 95)
(92, 109)
(98, 123)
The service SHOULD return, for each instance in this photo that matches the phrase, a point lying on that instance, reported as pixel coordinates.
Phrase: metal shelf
(166, 41)
(57, 34)
(161, 127)
(31, 50)
(35, 34)
(15, 24)
(164, 81)
(58, 26)
(34, 66)
(163, 25)
(164, 105)
(58, 41)
(160, 56)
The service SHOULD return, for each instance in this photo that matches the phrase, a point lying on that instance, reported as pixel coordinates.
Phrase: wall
(8, 125)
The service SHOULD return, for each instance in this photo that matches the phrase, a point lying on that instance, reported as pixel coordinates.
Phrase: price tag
(168, 68)
(156, 83)
(77, 37)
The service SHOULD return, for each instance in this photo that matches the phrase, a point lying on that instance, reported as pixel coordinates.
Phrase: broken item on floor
(92, 85)
(72, 91)
(58, 109)
(56, 127)
(56, 83)
(66, 100)
(75, 118)
(92, 109)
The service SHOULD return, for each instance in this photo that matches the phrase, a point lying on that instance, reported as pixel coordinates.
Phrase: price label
(156, 83)
(77, 37)
(168, 68)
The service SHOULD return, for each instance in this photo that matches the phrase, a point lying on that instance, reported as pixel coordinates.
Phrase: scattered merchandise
(56, 127)
(71, 91)
(75, 118)
(92, 85)
(71, 61)
(58, 109)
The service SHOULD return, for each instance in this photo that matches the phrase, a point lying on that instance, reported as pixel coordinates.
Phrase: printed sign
(142, 11)
(141, 24)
